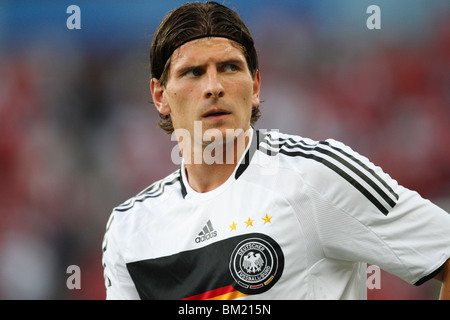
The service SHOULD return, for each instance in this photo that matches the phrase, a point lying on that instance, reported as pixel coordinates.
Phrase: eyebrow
(239, 62)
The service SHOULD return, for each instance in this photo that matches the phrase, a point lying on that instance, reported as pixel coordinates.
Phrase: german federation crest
(256, 264)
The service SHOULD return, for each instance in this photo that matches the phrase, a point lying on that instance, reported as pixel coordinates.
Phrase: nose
(214, 87)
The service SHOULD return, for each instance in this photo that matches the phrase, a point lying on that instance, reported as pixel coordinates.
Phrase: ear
(158, 97)
(256, 88)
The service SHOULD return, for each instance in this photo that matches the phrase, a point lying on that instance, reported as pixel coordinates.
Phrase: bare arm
(444, 277)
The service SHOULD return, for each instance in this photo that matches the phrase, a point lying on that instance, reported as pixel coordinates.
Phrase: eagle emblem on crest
(253, 262)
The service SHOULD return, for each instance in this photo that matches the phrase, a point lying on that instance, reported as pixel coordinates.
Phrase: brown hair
(192, 21)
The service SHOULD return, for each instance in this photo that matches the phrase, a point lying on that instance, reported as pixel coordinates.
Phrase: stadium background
(78, 133)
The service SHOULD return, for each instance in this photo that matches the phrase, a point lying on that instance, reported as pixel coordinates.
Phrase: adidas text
(205, 237)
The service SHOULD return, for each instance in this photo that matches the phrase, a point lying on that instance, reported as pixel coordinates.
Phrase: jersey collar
(238, 171)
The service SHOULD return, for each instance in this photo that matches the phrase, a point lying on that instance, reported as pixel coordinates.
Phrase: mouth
(215, 113)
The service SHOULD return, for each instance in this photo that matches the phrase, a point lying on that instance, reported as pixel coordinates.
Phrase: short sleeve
(407, 235)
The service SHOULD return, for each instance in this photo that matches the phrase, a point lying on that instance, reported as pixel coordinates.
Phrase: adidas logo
(207, 233)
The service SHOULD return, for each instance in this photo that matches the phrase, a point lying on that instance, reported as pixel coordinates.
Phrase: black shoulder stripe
(154, 191)
(359, 174)
(292, 150)
(363, 165)
(347, 164)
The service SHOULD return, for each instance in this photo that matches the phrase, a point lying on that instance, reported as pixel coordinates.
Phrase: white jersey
(298, 219)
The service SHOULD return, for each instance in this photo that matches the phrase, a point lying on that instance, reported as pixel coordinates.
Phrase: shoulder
(295, 149)
(333, 169)
(126, 218)
(151, 196)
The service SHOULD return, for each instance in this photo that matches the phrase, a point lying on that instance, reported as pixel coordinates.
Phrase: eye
(230, 68)
(193, 73)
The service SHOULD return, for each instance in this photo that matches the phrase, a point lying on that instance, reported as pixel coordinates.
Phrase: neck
(216, 163)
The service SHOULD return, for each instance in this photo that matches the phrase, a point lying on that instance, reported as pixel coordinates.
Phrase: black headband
(188, 40)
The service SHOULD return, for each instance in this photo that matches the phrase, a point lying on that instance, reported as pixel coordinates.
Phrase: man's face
(209, 82)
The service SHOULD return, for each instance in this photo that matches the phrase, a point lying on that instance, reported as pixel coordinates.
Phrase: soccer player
(255, 214)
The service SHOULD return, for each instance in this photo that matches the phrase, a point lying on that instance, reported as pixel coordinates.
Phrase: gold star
(249, 222)
(267, 219)
(233, 226)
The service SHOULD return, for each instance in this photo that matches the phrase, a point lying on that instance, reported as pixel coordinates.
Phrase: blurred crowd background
(79, 134)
